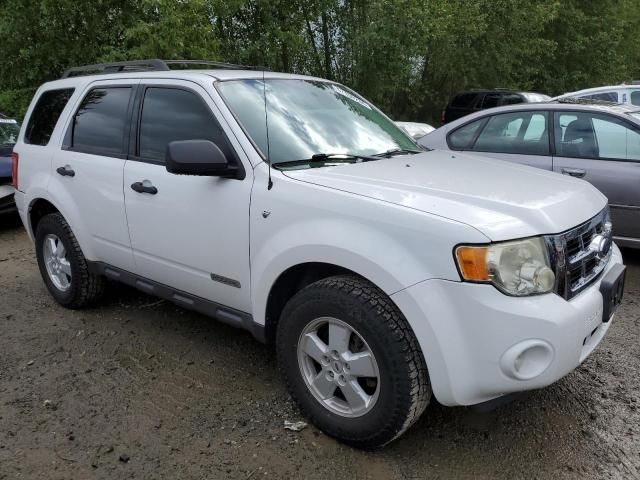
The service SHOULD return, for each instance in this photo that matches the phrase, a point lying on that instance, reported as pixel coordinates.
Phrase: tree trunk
(312, 39)
(327, 47)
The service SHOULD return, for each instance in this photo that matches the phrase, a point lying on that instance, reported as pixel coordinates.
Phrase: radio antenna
(266, 126)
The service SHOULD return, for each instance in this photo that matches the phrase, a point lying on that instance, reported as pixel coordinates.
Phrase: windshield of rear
(536, 97)
(307, 117)
(9, 130)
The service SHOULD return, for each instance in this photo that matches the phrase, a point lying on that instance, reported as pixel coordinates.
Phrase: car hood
(502, 200)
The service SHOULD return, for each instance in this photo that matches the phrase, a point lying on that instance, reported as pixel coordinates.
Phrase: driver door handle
(141, 188)
(66, 171)
(574, 172)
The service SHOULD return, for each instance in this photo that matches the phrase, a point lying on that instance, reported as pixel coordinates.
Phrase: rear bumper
(472, 336)
(7, 202)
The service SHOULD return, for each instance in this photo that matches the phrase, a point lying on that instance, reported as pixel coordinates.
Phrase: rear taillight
(14, 169)
(442, 117)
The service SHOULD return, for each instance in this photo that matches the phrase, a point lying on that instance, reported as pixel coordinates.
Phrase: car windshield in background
(9, 130)
(309, 117)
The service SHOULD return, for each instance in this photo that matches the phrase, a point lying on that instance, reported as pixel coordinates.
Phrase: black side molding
(228, 315)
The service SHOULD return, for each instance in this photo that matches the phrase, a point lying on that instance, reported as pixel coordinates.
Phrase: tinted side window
(635, 97)
(604, 96)
(45, 115)
(463, 100)
(490, 100)
(171, 114)
(462, 137)
(524, 133)
(511, 99)
(99, 125)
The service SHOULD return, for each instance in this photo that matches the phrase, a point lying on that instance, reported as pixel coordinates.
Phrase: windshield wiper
(397, 151)
(321, 157)
(324, 157)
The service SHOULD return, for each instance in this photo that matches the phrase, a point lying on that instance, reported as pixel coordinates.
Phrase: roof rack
(150, 65)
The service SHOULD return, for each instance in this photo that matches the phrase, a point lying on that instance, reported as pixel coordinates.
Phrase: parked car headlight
(519, 267)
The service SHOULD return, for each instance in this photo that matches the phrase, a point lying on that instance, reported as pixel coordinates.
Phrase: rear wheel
(351, 362)
(62, 264)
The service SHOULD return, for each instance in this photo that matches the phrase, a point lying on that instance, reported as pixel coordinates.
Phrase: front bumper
(472, 334)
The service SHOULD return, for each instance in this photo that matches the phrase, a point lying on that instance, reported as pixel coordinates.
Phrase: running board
(228, 315)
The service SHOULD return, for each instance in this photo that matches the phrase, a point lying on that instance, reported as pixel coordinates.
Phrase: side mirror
(198, 157)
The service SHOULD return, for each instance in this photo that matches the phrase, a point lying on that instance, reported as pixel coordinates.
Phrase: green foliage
(408, 56)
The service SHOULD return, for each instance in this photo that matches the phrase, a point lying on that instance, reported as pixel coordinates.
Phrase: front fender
(298, 245)
(390, 245)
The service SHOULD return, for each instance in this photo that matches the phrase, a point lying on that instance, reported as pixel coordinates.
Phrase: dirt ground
(139, 388)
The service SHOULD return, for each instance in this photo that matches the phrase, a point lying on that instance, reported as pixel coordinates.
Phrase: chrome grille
(581, 254)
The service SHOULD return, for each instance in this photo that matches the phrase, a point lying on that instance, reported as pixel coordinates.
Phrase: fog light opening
(527, 360)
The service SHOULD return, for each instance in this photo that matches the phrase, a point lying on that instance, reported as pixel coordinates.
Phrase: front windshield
(308, 117)
(8, 131)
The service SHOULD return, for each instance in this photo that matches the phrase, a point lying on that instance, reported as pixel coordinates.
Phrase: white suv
(627, 94)
(380, 272)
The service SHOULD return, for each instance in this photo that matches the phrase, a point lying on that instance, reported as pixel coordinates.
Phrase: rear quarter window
(45, 115)
(634, 96)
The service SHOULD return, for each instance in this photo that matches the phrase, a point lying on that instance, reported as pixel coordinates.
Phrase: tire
(401, 392)
(83, 287)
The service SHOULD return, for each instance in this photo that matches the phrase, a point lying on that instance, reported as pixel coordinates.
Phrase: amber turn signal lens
(472, 262)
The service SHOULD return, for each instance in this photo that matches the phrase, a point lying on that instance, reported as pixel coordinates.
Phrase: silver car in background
(599, 143)
(415, 129)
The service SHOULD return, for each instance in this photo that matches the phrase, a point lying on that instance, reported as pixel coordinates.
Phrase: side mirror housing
(198, 157)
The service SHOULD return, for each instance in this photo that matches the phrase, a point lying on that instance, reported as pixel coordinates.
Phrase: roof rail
(150, 65)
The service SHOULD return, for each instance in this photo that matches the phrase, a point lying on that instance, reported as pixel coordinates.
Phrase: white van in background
(629, 94)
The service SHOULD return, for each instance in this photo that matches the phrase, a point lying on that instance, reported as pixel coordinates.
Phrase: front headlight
(519, 267)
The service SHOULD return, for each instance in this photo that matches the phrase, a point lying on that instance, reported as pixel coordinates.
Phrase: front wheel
(351, 361)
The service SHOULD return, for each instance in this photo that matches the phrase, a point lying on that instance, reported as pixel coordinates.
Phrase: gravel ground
(138, 388)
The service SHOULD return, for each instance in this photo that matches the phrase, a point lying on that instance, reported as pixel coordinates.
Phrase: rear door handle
(142, 188)
(574, 172)
(66, 171)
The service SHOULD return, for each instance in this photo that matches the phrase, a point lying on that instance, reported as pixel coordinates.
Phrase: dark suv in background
(470, 101)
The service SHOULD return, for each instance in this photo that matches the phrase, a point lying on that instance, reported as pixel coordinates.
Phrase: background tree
(408, 56)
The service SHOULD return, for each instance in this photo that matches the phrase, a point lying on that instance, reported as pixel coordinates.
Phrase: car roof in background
(7, 119)
(601, 89)
(615, 108)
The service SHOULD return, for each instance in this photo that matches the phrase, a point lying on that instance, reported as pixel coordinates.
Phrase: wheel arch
(38, 208)
(290, 282)
(43, 205)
